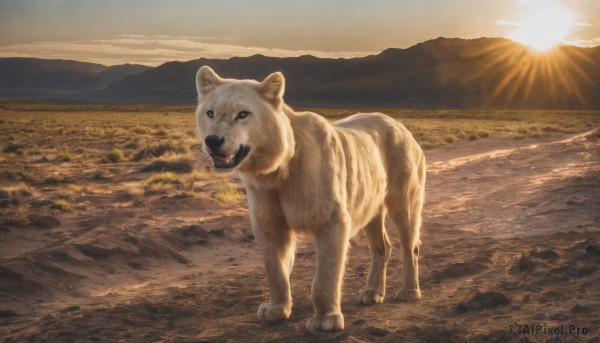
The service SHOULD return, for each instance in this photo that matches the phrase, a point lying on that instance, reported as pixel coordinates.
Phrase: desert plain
(114, 228)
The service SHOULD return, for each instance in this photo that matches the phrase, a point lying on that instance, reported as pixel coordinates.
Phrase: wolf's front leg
(331, 246)
(277, 242)
(278, 252)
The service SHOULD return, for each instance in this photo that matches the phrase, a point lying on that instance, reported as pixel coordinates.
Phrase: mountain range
(440, 73)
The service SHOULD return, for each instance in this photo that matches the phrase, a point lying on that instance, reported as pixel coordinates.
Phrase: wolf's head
(241, 123)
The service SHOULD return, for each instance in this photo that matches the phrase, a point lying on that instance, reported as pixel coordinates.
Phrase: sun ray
(514, 73)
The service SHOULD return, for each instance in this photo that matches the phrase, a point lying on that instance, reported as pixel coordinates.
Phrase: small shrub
(63, 194)
(60, 204)
(132, 145)
(63, 158)
(20, 216)
(472, 137)
(160, 132)
(427, 145)
(17, 174)
(115, 156)
(14, 148)
(484, 134)
(16, 194)
(52, 180)
(99, 175)
(451, 139)
(135, 191)
(550, 129)
(171, 162)
(140, 130)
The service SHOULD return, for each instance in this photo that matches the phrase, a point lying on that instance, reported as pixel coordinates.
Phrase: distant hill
(42, 78)
(440, 73)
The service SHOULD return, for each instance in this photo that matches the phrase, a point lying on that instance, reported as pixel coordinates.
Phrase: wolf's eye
(243, 115)
(210, 114)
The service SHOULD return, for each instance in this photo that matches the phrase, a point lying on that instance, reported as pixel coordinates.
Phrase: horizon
(145, 32)
(375, 53)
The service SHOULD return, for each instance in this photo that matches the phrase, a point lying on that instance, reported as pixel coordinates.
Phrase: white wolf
(303, 174)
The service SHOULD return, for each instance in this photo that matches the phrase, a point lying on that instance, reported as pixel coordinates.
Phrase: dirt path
(511, 235)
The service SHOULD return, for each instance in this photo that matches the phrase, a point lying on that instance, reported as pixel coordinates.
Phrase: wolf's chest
(306, 208)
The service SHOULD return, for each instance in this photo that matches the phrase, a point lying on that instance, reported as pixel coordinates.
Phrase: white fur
(330, 180)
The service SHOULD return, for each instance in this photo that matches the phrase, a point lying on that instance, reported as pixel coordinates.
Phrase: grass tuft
(171, 162)
(60, 204)
(14, 148)
(114, 156)
(163, 178)
(228, 192)
(135, 192)
(64, 158)
(472, 137)
(20, 215)
(484, 134)
(16, 174)
(16, 194)
(157, 150)
(451, 139)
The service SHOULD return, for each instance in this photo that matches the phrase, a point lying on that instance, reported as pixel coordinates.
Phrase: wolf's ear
(272, 88)
(206, 81)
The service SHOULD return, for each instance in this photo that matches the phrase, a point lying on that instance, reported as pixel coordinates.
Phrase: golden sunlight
(545, 28)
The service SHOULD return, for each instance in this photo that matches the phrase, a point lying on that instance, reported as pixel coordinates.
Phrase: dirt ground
(511, 240)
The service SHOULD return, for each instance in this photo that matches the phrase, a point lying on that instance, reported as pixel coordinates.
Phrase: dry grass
(15, 192)
(159, 149)
(159, 188)
(135, 192)
(19, 216)
(56, 146)
(114, 156)
(60, 204)
(163, 178)
(163, 183)
(432, 127)
(228, 192)
(17, 174)
(171, 162)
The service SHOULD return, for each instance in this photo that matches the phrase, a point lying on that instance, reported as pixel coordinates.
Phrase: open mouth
(230, 161)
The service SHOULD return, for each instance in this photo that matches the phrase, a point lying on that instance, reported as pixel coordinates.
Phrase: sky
(152, 32)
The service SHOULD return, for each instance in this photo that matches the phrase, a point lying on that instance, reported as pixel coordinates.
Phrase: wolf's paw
(272, 313)
(328, 322)
(370, 296)
(408, 295)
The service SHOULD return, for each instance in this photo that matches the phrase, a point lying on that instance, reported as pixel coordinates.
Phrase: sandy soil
(511, 235)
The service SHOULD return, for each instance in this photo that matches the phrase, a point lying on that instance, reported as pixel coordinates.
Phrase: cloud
(502, 22)
(154, 50)
(585, 43)
(533, 2)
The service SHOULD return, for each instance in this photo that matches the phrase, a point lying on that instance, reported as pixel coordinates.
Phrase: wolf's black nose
(214, 141)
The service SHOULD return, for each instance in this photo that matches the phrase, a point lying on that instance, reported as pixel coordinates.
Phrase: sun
(545, 27)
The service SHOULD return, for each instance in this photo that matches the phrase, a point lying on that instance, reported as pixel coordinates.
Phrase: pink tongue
(220, 157)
